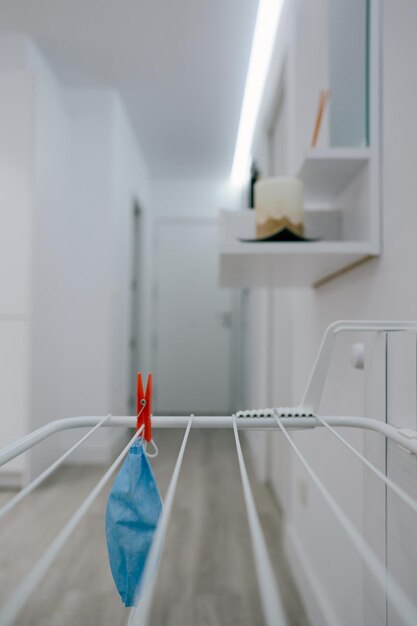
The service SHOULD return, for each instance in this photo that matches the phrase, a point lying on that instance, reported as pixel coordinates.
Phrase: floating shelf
(327, 172)
(347, 222)
(273, 264)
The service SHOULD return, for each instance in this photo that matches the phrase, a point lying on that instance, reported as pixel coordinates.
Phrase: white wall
(88, 285)
(108, 173)
(301, 56)
(17, 179)
(50, 254)
(81, 167)
(43, 168)
(254, 349)
(131, 182)
(187, 209)
(193, 198)
(380, 289)
(299, 70)
(16, 52)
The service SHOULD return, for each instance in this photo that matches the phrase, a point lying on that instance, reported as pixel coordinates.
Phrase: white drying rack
(304, 416)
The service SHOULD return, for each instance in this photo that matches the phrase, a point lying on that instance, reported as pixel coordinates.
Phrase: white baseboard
(312, 593)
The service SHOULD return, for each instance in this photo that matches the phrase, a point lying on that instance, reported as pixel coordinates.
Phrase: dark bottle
(254, 176)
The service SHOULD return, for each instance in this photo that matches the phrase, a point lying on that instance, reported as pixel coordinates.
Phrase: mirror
(349, 22)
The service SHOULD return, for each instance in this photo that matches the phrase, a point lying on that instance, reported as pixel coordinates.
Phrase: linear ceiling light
(269, 12)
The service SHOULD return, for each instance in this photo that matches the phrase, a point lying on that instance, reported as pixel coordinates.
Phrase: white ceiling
(180, 66)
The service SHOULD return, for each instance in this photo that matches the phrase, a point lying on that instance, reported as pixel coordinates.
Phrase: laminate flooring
(207, 575)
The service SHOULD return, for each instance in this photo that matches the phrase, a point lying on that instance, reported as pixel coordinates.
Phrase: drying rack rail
(282, 419)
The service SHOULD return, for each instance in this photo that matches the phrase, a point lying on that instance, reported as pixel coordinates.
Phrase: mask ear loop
(150, 455)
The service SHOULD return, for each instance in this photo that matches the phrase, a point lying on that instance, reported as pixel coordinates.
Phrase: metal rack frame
(305, 416)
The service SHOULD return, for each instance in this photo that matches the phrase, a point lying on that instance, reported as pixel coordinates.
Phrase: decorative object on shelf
(283, 234)
(279, 204)
(279, 214)
(321, 107)
(254, 177)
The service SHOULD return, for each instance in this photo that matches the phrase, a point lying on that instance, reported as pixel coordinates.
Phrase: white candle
(278, 203)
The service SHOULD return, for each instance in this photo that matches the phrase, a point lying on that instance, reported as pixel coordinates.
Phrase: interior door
(135, 320)
(193, 321)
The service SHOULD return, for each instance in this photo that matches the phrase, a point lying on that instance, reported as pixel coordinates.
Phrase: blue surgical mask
(132, 514)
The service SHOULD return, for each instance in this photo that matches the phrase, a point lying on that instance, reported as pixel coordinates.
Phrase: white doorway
(135, 306)
(192, 347)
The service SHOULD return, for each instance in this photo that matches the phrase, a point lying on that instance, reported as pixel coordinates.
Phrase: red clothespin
(144, 406)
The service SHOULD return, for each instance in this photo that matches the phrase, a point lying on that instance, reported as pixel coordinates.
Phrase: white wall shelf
(342, 198)
(276, 264)
(327, 172)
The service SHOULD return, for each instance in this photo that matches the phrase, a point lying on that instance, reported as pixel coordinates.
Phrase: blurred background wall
(287, 325)
(73, 176)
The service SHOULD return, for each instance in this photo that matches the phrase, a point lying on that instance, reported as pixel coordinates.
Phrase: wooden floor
(207, 575)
